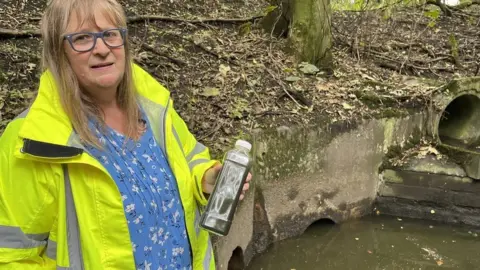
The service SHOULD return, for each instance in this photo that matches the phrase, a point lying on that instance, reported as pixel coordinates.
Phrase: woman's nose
(100, 47)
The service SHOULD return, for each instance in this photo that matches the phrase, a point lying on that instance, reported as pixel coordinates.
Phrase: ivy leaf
(308, 68)
(211, 92)
(432, 14)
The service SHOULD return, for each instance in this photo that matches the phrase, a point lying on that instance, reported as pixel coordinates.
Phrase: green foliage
(238, 108)
(245, 29)
(453, 46)
(432, 14)
(386, 6)
(269, 9)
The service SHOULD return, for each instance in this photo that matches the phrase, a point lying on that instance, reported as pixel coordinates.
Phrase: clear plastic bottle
(221, 206)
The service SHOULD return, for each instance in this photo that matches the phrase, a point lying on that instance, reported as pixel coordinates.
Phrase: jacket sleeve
(197, 155)
(25, 199)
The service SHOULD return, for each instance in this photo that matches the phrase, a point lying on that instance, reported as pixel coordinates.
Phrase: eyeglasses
(86, 41)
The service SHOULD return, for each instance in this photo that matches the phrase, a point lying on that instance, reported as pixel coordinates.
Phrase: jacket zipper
(168, 162)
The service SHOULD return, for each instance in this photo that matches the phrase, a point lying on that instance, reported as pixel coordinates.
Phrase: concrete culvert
(459, 125)
(323, 222)
(237, 261)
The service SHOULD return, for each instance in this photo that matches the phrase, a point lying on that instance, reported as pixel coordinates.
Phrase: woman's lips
(102, 66)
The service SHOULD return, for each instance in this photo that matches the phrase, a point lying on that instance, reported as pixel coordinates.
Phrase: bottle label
(229, 184)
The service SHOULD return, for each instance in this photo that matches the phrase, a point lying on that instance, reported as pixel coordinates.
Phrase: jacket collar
(47, 132)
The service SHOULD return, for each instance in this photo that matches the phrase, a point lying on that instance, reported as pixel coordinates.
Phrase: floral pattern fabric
(150, 197)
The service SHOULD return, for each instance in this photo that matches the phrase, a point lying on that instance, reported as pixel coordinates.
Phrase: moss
(391, 176)
(393, 151)
(392, 112)
(3, 77)
(373, 101)
(459, 157)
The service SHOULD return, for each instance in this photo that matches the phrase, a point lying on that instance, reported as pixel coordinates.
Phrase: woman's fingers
(249, 177)
(246, 186)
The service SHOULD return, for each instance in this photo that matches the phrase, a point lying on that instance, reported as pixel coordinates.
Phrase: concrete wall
(303, 174)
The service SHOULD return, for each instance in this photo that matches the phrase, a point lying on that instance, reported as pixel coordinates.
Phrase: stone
(400, 207)
(430, 180)
(436, 196)
(472, 167)
(430, 164)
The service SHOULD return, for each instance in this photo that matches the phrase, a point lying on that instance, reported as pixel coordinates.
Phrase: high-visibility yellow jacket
(59, 207)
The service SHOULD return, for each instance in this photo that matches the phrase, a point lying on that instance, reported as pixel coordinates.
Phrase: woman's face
(101, 68)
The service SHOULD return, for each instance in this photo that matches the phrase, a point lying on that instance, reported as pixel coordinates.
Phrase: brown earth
(228, 78)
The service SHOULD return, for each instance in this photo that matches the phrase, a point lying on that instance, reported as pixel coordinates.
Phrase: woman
(100, 172)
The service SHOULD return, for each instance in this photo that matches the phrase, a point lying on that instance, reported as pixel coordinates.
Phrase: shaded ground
(230, 78)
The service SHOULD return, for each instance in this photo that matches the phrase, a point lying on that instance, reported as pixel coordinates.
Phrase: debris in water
(399, 219)
(432, 211)
(431, 227)
(369, 251)
(356, 238)
(439, 262)
(401, 227)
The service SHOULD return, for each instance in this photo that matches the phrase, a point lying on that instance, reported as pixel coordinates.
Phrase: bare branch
(8, 33)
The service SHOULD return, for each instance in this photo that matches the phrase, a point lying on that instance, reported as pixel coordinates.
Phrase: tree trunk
(307, 24)
(310, 32)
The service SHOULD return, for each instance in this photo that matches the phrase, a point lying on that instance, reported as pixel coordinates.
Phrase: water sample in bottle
(221, 206)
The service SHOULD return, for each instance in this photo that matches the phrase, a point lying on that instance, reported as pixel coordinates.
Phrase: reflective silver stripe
(196, 162)
(74, 141)
(156, 116)
(51, 249)
(199, 148)
(13, 237)
(23, 114)
(73, 234)
(197, 221)
(208, 256)
(175, 134)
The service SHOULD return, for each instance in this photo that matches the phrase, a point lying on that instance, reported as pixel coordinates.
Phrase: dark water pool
(377, 242)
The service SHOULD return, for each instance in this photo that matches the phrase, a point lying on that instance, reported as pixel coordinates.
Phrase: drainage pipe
(455, 121)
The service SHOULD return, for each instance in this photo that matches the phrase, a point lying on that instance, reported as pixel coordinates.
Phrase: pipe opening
(323, 222)
(237, 261)
(459, 124)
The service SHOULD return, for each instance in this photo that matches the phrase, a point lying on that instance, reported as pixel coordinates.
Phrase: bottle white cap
(244, 144)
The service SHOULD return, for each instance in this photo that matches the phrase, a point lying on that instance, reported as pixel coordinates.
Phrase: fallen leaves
(308, 69)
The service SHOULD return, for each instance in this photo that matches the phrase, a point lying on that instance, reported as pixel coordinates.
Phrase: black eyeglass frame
(96, 35)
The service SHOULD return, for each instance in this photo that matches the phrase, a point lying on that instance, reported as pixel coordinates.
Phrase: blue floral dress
(150, 197)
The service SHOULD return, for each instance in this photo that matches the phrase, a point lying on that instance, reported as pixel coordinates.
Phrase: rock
(430, 164)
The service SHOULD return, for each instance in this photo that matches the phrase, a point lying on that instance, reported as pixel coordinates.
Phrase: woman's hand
(210, 176)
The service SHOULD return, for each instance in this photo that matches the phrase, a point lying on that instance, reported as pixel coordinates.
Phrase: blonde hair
(78, 105)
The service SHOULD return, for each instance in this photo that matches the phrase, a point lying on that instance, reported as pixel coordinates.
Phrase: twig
(160, 53)
(148, 17)
(204, 20)
(210, 133)
(205, 49)
(287, 92)
(8, 33)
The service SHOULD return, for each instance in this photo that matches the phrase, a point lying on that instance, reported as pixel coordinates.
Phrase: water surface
(376, 242)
